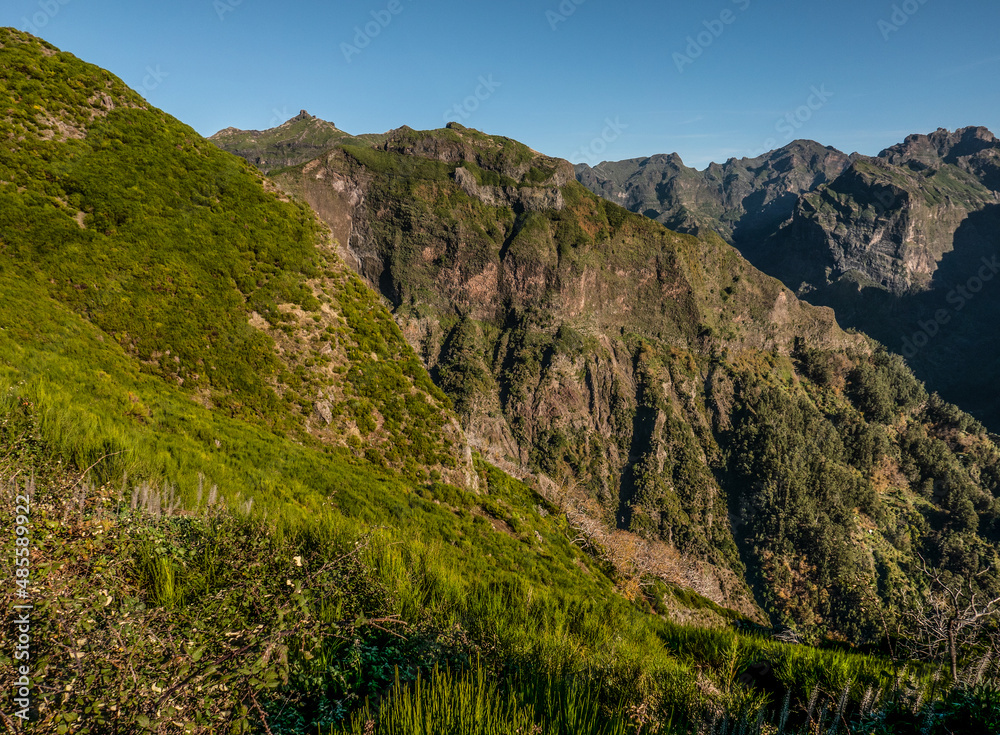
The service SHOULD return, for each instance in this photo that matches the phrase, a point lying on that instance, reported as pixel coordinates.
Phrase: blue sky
(587, 80)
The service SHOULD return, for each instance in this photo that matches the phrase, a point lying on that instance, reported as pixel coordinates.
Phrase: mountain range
(898, 244)
(638, 374)
(333, 432)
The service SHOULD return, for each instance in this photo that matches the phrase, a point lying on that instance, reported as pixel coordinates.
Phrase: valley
(415, 432)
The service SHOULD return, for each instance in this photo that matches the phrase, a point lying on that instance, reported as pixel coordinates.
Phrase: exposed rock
(520, 199)
(884, 240)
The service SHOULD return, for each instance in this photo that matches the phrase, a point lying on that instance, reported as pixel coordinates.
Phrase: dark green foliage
(883, 387)
(963, 711)
(797, 500)
(460, 372)
(942, 413)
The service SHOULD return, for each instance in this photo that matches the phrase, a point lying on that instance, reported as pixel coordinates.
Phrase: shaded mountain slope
(904, 246)
(739, 199)
(890, 242)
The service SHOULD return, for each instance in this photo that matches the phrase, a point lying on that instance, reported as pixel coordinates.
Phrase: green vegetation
(473, 704)
(269, 150)
(225, 621)
(154, 255)
(252, 510)
(674, 392)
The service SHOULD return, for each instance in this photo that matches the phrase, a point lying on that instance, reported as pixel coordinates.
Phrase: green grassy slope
(169, 265)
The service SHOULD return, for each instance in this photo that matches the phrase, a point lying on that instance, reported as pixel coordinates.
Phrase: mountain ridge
(888, 241)
(174, 321)
(623, 365)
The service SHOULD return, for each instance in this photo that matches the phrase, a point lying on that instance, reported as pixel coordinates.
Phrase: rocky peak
(671, 160)
(294, 141)
(459, 144)
(941, 146)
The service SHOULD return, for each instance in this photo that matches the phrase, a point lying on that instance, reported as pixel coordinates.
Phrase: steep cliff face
(666, 394)
(903, 247)
(892, 242)
(885, 226)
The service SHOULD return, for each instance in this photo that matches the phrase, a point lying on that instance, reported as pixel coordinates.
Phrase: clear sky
(586, 80)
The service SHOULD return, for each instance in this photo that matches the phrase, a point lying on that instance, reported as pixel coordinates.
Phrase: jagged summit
(882, 239)
(736, 198)
(298, 139)
(302, 117)
(942, 146)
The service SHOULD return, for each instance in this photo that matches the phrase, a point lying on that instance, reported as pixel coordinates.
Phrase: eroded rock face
(520, 199)
(887, 227)
(888, 241)
(943, 146)
(529, 304)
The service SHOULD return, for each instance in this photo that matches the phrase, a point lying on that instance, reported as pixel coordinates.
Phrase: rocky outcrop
(295, 141)
(885, 226)
(458, 144)
(518, 198)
